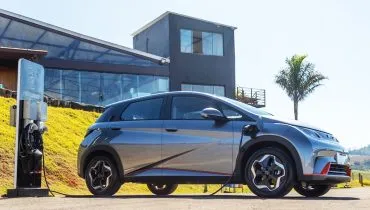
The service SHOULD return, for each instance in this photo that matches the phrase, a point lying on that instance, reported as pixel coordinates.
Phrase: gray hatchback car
(175, 138)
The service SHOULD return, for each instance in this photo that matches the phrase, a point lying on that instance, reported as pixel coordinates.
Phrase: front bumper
(325, 179)
(329, 167)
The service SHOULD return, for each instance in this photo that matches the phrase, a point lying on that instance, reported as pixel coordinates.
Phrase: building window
(100, 88)
(203, 43)
(211, 89)
(186, 41)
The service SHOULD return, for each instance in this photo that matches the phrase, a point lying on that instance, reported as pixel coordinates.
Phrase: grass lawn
(355, 179)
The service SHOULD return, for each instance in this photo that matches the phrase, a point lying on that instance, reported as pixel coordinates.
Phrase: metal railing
(251, 96)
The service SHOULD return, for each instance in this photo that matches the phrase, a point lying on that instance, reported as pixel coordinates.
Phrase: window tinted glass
(189, 108)
(143, 110)
(231, 113)
(247, 107)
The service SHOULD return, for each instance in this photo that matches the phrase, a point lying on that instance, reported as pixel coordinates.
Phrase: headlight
(319, 135)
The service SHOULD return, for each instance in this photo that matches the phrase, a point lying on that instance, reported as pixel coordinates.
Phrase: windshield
(247, 107)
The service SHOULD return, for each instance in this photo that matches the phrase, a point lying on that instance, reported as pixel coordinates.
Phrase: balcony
(251, 96)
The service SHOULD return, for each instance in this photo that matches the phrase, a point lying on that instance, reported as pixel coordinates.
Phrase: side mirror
(212, 113)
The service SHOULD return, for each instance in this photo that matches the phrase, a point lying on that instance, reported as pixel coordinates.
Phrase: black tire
(312, 190)
(269, 173)
(162, 189)
(100, 171)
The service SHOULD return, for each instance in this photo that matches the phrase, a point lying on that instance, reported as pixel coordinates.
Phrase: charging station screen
(31, 80)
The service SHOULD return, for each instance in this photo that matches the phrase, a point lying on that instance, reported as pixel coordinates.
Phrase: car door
(192, 145)
(137, 136)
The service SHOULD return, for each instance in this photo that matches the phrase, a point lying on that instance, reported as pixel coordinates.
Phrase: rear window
(143, 110)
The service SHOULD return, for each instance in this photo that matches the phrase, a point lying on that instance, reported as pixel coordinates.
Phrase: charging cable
(244, 129)
(47, 183)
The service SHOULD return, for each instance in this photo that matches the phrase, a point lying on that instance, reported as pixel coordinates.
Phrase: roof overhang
(167, 13)
(8, 53)
(119, 48)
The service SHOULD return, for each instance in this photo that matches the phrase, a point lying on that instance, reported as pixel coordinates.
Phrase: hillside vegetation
(66, 128)
(361, 158)
(362, 151)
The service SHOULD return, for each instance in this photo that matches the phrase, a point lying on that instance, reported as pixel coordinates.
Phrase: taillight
(88, 132)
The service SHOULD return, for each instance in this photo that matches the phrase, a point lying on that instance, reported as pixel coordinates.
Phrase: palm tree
(299, 79)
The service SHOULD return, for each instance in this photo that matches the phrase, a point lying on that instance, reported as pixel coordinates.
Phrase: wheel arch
(268, 141)
(103, 150)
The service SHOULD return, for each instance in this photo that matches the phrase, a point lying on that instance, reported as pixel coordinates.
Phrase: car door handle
(171, 129)
(116, 129)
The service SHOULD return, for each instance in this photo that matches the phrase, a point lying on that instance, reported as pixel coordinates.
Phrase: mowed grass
(355, 179)
(66, 128)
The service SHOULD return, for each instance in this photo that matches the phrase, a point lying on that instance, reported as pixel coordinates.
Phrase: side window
(231, 113)
(143, 110)
(189, 107)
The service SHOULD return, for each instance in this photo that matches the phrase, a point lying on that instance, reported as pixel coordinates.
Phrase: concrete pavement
(355, 198)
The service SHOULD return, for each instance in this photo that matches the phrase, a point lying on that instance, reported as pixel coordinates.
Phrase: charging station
(29, 117)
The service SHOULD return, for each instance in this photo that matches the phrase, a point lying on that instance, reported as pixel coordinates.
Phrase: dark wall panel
(155, 39)
(201, 69)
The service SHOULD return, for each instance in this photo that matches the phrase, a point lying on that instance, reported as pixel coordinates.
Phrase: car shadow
(209, 197)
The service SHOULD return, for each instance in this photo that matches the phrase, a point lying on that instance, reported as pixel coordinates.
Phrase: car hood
(274, 119)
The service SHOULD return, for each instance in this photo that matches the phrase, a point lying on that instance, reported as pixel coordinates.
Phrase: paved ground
(356, 198)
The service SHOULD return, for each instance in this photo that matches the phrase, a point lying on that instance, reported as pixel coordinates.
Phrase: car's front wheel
(312, 190)
(101, 176)
(269, 173)
(162, 189)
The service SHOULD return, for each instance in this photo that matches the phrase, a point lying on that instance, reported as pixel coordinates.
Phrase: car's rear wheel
(312, 190)
(269, 173)
(162, 189)
(101, 176)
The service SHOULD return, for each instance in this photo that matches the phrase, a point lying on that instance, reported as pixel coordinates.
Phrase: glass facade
(212, 89)
(100, 88)
(203, 43)
(61, 46)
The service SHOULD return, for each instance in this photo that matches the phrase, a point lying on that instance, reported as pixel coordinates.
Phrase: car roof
(155, 95)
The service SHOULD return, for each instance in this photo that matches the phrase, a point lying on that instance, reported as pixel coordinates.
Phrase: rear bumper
(325, 179)
(80, 161)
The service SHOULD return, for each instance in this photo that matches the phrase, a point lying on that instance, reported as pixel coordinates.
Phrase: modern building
(173, 52)
(202, 52)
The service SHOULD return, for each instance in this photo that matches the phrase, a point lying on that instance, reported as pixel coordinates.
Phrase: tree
(298, 79)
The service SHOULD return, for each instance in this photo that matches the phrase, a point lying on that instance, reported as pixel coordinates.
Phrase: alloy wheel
(267, 172)
(100, 175)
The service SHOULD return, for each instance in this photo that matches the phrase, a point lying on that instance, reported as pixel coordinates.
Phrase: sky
(335, 34)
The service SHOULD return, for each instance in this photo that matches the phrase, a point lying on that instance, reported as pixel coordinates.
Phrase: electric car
(174, 138)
